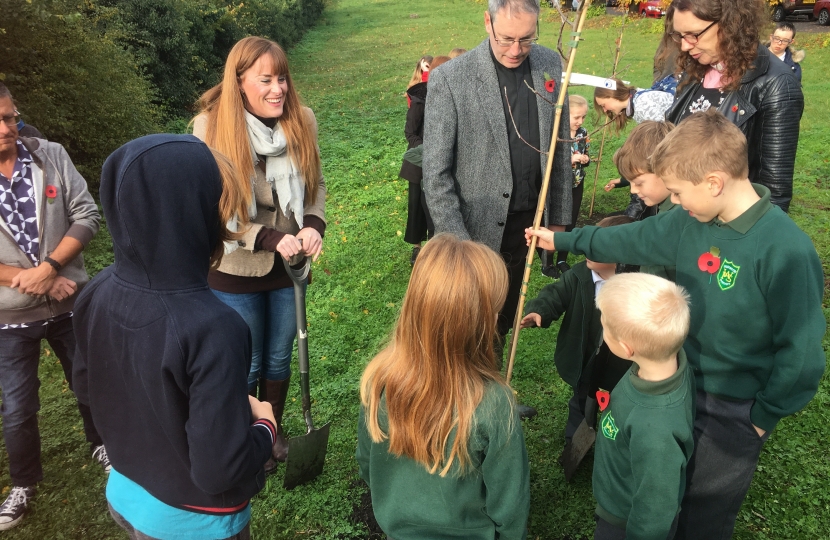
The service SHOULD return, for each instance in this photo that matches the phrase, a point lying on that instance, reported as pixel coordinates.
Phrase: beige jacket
(245, 261)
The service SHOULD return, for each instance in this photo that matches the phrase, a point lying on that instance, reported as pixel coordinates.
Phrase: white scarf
(280, 172)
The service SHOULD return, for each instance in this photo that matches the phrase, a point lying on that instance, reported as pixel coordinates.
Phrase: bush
(75, 85)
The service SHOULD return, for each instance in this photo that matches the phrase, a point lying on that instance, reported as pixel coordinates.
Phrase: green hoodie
(644, 442)
(665, 272)
(490, 502)
(756, 321)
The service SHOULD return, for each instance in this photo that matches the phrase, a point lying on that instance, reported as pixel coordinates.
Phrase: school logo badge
(727, 275)
(609, 427)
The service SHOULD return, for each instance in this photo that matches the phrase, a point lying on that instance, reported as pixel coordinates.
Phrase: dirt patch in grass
(363, 514)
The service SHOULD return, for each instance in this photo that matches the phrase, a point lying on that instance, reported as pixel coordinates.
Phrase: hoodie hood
(160, 195)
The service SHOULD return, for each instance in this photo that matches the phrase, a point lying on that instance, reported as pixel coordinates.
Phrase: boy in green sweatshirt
(645, 434)
(633, 160)
(580, 334)
(756, 286)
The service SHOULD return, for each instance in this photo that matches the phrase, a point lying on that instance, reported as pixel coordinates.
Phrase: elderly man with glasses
(47, 216)
(488, 125)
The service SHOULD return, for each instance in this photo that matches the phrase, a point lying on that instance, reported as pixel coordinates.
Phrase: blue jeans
(271, 316)
(19, 357)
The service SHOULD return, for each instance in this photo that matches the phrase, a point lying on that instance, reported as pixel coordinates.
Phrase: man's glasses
(780, 41)
(12, 120)
(691, 39)
(523, 43)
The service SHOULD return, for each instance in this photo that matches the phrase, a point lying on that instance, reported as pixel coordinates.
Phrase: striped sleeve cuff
(266, 424)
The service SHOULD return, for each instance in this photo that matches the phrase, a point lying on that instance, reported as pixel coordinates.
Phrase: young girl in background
(439, 441)
(580, 144)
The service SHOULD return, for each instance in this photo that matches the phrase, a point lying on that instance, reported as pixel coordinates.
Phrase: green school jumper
(665, 272)
(644, 441)
(491, 501)
(756, 286)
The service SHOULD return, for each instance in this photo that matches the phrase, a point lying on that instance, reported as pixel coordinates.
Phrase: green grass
(352, 69)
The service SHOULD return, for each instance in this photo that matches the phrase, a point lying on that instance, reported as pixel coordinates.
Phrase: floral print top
(580, 145)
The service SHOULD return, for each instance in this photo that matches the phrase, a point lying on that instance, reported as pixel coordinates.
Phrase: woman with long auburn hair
(439, 441)
(256, 119)
(722, 64)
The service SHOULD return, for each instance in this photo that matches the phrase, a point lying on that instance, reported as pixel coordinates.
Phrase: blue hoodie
(161, 362)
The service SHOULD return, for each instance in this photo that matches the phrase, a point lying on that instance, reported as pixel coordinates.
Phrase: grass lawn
(352, 69)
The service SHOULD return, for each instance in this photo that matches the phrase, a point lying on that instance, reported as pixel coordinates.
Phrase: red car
(652, 8)
(821, 12)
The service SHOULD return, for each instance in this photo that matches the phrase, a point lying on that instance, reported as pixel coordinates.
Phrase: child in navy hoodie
(162, 363)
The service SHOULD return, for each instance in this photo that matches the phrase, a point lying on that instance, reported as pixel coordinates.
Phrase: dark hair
(613, 221)
(622, 93)
(739, 27)
(787, 27)
(4, 92)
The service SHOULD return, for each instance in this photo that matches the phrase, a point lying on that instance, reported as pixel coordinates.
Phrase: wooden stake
(543, 192)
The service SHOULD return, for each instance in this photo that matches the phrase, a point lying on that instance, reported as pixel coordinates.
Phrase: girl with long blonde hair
(256, 119)
(439, 440)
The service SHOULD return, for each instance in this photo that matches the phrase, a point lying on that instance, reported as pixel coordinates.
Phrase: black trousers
(514, 252)
(578, 192)
(726, 454)
(606, 531)
(419, 224)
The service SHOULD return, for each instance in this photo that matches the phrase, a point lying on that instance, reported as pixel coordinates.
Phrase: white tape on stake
(592, 80)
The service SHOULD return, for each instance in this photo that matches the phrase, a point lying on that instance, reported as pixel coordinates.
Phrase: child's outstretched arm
(551, 302)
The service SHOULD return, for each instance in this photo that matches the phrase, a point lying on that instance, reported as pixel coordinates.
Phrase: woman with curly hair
(722, 64)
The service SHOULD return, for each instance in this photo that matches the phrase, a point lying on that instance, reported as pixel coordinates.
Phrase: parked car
(784, 8)
(652, 8)
(822, 12)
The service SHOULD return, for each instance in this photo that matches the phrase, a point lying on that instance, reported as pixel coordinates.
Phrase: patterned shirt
(18, 206)
(580, 145)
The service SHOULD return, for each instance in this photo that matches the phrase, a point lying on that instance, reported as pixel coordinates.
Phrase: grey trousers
(726, 454)
(244, 534)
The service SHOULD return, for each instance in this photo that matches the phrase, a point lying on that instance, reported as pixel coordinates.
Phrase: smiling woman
(722, 65)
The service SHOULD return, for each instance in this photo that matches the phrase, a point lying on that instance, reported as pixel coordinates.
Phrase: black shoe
(15, 505)
(415, 251)
(551, 271)
(525, 412)
(99, 454)
(563, 267)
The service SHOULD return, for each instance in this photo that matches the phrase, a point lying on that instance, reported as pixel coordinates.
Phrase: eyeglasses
(691, 39)
(12, 120)
(780, 41)
(523, 43)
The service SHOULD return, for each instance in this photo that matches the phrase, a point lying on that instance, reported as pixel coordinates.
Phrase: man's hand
(611, 184)
(62, 288)
(35, 281)
(261, 409)
(531, 320)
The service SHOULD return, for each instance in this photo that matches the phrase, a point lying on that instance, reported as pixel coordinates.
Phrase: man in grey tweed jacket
(479, 179)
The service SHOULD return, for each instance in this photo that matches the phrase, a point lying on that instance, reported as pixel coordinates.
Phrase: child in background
(439, 441)
(633, 160)
(581, 333)
(756, 286)
(458, 51)
(644, 439)
(779, 45)
(421, 70)
(419, 224)
(580, 159)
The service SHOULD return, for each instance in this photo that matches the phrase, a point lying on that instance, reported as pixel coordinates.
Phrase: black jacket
(767, 108)
(414, 129)
(162, 363)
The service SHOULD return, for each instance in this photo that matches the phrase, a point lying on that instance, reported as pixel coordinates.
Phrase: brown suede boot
(275, 394)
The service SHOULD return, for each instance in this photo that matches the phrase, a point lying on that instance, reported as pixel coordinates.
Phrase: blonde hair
(417, 75)
(648, 312)
(231, 202)
(622, 93)
(702, 143)
(634, 156)
(575, 100)
(440, 358)
(458, 51)
(227, 129)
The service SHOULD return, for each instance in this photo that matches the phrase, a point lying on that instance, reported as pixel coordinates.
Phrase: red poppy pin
(709, 262)
(550, 84)
(51, 193)
(734, 108)
(603, 399)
